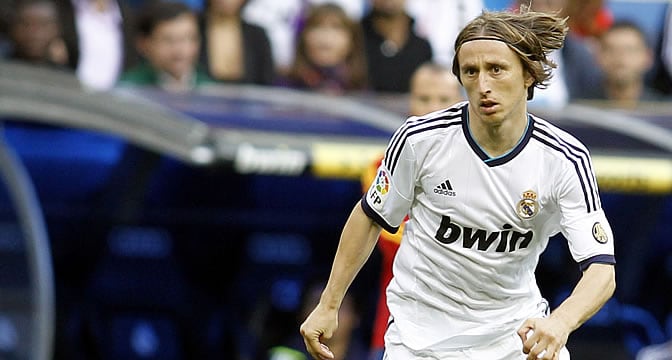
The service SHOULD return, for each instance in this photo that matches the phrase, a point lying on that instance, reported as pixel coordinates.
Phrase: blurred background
(174, 175)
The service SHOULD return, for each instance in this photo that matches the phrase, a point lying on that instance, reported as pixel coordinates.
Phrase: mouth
(488, 106)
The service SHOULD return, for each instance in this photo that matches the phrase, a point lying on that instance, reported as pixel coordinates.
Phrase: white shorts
(506, 348)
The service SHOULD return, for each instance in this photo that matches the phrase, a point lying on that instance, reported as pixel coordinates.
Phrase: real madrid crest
(528, 207)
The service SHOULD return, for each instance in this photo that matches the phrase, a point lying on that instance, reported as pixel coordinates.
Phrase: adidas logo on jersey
(444, 189)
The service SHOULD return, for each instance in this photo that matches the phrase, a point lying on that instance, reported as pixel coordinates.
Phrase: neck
(177, 82)
(101, 5)
(498, 138)
(223, 18)
(624, 95)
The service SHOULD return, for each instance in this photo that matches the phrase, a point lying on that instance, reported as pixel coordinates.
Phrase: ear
(529, 80)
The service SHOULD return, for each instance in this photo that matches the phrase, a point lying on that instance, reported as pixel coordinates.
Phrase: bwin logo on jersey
(444, 189)
(506, 239)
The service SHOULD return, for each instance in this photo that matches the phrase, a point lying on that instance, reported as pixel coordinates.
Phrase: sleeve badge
(599, 234)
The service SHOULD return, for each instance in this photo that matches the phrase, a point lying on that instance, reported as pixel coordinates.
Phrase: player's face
(431, 91)
(495, 81)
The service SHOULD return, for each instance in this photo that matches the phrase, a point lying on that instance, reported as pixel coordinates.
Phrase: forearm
(593, 290)
(358, 240)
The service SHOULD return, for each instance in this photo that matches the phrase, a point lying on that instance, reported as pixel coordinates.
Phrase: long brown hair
(355, 63)
(531, 35)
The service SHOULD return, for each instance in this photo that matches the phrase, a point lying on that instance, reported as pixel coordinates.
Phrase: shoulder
(202, 77)
(433, 124)
(545, 127)
(253, 30)
(415, 37)
(142, 74)
(558, 142)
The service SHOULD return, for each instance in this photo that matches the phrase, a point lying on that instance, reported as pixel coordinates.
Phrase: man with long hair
(485, 185)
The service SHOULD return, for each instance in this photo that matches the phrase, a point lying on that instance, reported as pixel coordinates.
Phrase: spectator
(565, 86)
(99, 37)
(433, 87)
(393, 49)
(625, 57)
(330, 53)
(587, 18)
(440, 22)
(169, 41)
(234, 50)
(662, 79)
(346, 345)
(281, 19)
(35, 34)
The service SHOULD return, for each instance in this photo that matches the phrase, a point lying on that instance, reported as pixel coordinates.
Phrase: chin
(493, 118)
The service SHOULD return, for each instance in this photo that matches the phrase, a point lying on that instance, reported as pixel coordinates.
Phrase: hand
(320, 325)
(543, 338)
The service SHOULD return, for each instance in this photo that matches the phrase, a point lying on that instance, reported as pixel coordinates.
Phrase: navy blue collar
(503, 159)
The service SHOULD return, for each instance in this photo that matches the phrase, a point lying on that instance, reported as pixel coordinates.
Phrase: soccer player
(485, 184)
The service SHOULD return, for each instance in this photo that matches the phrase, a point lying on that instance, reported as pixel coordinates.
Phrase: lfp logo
(382, 183)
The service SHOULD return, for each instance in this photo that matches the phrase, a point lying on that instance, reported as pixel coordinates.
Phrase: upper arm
(390, 195)
(583, 221)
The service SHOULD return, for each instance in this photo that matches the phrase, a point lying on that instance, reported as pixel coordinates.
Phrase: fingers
(316, 349)
(541, 352)
(545, 355)
(325, 353)
(538, 344)
(525, 330)
(540, 347)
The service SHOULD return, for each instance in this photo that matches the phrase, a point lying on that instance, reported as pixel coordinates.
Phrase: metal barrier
(32, 228)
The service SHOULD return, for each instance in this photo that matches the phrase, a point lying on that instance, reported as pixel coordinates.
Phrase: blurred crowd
(333, 47)
(336, 47)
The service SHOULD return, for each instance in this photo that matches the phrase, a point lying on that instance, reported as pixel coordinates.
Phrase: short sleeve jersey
(465, 270)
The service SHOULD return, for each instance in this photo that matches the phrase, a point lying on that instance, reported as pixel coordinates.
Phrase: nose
(483, 83)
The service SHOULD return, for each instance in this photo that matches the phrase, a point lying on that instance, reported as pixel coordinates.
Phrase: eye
(470, 71)
(496, 69)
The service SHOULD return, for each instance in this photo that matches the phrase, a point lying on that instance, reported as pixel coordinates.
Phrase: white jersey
(464, 273)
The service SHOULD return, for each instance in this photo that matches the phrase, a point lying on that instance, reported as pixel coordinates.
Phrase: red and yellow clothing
(388, 244)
